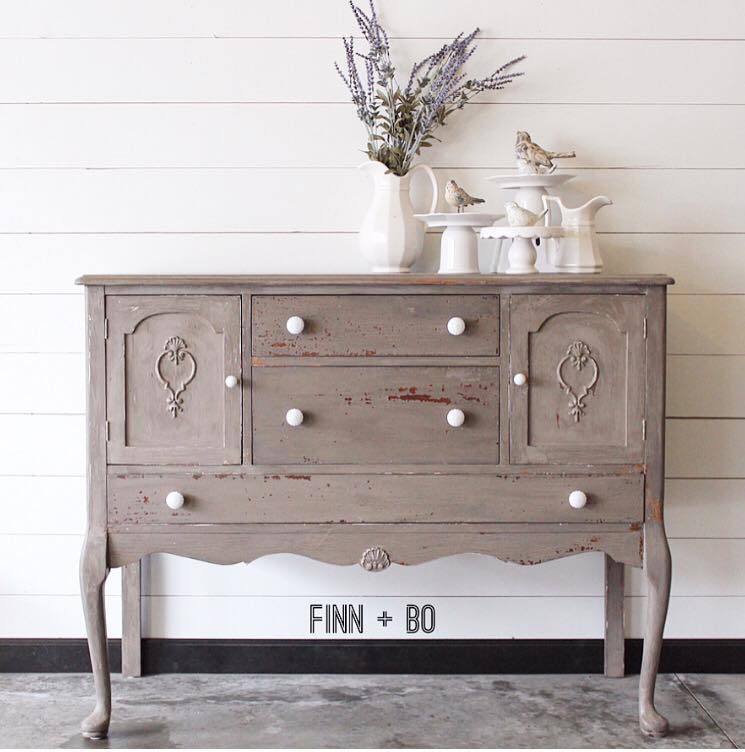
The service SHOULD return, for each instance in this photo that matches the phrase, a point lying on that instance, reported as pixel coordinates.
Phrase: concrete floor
(189, 710)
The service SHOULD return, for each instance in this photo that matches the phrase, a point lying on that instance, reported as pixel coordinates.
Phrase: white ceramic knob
(577, 499)
(231, 382)
(520, 379)
(456, 326)
(456, 417)
(295, 325)
(175, 500)
(294, 417)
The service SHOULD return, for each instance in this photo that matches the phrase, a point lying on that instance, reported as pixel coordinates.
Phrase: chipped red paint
(420, 398)
(655, 510)
(469, 398)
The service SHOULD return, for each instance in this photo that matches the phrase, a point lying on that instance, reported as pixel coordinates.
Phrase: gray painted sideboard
(376, 419)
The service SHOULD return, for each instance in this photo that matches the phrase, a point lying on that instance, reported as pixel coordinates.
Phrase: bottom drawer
(141, 499)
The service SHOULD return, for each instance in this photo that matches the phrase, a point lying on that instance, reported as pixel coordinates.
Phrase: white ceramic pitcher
(578, 250)
(390, 238)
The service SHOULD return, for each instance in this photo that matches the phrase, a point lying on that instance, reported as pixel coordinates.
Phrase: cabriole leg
(93, 572)
(657, 569)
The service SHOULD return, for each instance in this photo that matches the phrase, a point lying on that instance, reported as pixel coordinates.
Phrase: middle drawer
(376, 414)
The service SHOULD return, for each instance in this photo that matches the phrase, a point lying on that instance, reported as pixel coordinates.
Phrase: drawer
(140, 499)
(370, 325)
(375, 414)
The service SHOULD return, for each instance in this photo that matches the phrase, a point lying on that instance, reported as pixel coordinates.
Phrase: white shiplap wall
(212, 136)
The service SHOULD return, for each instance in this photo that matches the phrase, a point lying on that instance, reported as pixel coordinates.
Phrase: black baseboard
(372, 656)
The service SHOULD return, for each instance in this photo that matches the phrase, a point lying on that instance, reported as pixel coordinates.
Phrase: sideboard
(376, 419)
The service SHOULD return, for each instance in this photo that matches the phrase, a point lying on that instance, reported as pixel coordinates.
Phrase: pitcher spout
(594, 204)
(584, 214)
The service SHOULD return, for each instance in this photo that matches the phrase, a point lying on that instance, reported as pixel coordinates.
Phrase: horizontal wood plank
(204, 70)
(52, 616)
(262, 618)
(42, 383)
(42, 445)
(634, 19)
(706, 325)
(321, 136)
(50, 263)
(53, 445)
(36, 324)
(705, 508)
(703, 568)
(28, 556)
(705, 448)
(689, 386)
(43, 505)
(334, 200)
(697, 324)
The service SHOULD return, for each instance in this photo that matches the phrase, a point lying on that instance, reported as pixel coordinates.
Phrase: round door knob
(231, 382)
(456, 326)
(175, 500)
(294, 417)
(456, 417)
(577, 499)
(295, 325)
(520, 379)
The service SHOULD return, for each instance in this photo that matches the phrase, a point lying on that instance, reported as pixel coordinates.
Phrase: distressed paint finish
(375, 464)
(131, 620)
(364, 415)
(167, 360)
(584, 360)
(337, 544)
(370, 325)
(614, 642)
(226, 498)
(657, 562)
(94, 565)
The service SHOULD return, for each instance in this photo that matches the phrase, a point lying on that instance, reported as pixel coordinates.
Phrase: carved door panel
(167, 360)
(584, 359)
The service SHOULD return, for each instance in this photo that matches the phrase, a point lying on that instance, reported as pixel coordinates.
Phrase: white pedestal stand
(529, 190)
(522, 255)
(459, 247)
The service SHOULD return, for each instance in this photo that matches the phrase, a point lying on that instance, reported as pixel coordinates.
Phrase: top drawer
(374, 325)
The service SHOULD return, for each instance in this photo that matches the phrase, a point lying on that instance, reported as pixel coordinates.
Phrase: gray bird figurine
(519, 217)
(458, 198)
(535, 160)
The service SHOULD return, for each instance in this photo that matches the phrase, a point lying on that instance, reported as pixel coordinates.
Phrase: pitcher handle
(433, 180)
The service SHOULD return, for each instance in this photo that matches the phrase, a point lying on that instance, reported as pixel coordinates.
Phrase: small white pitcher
(390, 238)
(578, 250)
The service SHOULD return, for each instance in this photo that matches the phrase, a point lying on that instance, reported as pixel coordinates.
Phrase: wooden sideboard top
(353, 280)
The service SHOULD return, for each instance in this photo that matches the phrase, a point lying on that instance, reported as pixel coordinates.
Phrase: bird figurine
(458, 198)
(519, 217)
(535, 160)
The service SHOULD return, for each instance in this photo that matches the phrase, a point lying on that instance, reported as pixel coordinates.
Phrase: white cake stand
(530, 188)
(522, 255)
(459, 247)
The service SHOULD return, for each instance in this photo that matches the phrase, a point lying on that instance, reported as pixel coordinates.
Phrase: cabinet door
(584, 359)
(167, 359)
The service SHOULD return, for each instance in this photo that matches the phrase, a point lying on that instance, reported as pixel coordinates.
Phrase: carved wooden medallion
(579, 357)
(176, 351)
(375, 559)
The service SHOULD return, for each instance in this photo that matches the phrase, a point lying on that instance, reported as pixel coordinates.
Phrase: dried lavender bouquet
(402, 122)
